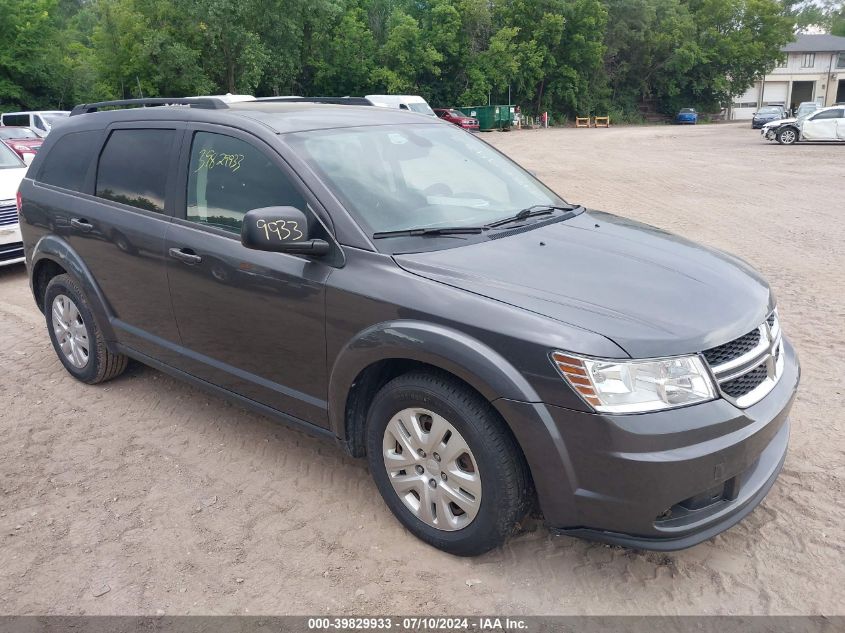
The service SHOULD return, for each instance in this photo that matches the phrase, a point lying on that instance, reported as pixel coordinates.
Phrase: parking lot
(145, 495)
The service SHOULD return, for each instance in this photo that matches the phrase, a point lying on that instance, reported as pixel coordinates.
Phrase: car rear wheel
(787, 136)
(75, 335)
(445, 464)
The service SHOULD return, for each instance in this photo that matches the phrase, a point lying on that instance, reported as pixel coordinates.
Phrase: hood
(652, 293)
(10, 180)
(781, 121)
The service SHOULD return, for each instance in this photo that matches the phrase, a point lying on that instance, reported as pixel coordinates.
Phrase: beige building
(812, 69)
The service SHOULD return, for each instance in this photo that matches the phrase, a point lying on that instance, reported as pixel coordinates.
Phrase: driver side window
(228, 177)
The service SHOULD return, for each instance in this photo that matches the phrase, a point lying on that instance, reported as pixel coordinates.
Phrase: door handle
(83, 225)
(185, 255)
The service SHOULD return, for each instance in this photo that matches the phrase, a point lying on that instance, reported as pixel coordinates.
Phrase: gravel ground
(146, 495)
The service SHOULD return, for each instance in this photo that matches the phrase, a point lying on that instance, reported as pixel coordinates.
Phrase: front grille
(746, 383)
(734, 349)
(747, 368)
(11, 251)
(8, 215)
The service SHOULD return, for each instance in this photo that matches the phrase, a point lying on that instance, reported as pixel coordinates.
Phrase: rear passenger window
(229, 177)
(133, 168)
(67, 162)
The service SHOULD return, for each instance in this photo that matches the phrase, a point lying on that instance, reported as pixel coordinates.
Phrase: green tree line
(567, 57)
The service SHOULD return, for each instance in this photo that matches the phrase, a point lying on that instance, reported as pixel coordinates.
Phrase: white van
(414, 103)
(42, 121)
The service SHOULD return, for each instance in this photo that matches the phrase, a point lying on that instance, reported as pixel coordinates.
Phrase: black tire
(787, 136)
(102, 365)
(507, 491)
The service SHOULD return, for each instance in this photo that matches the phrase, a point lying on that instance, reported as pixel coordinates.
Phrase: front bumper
(666, 480)
(11, 246)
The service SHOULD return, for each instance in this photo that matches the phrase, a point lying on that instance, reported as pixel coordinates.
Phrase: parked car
(687, 116)
(458, 118)
(825, 124)
(414, 103)
(397, 285)
(803, 110)
(767, 114)
(41, 121)
(12, 170)
(22, 140)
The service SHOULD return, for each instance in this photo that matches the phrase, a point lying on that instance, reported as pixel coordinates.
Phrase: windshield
(771, 110)
(422, 108)
(8, 159)
(457, 113)
(687, 111)
(394, 178)
(803, 111)
(16, 132)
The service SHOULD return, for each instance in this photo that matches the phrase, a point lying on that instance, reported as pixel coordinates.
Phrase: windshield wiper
(530, 212)
(425, 232)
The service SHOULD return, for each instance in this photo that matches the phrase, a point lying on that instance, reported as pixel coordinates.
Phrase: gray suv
(393, 283)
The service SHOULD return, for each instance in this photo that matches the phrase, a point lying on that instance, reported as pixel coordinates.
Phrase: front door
(251, 322)
(119, 232)
(821, 126)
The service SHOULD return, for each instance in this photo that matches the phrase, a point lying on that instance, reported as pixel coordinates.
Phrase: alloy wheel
(70, 331)
(432, 469)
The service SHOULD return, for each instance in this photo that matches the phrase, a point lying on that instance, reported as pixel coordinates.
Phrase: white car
(42, 121)
(12, 171)
(825, 124)
(414, 103)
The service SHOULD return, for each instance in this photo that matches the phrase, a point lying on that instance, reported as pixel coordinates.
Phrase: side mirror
(280, 230)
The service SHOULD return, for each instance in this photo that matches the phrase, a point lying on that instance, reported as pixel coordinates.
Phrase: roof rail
(331, 100)
(208, 103)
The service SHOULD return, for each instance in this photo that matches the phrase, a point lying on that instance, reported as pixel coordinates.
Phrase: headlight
(636, 386)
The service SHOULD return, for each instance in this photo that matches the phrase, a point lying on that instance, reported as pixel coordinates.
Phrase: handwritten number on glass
(209, 159)
(290, 228)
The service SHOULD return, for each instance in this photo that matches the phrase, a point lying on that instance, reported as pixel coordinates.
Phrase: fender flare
(487, 371)
(484, 369)
(55, 249)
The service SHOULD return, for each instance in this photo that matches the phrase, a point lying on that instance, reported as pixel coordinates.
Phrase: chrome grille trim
(8, 215)
(768, 352)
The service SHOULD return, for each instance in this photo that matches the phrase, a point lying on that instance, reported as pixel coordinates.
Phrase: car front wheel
(445, 463)
(787, 136)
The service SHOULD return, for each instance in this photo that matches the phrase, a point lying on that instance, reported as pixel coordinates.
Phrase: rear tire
(77, 339)
(462, 485)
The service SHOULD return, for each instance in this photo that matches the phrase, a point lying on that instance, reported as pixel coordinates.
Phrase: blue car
(687, 115)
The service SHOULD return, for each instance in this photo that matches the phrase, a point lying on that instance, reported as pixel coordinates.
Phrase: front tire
(77, 339)
(445, 464)
(787, 136)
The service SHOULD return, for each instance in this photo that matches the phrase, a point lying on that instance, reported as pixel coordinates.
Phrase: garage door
(775, 93)
(745, 105)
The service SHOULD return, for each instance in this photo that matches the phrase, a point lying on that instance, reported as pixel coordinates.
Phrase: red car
(458, 118)
(23, 140)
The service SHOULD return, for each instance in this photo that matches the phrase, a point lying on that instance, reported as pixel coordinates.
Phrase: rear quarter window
(66, 162)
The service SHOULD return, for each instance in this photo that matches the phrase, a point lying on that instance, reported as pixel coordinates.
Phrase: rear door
(251, 322)
(119, 231)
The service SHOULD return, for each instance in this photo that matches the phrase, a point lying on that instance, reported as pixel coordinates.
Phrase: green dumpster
(491, 117)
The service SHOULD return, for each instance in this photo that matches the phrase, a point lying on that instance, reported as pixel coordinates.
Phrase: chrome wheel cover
(432, 469)
(788, 137)
(70, 331)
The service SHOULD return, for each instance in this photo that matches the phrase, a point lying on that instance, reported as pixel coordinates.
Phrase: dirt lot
(162, 498)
